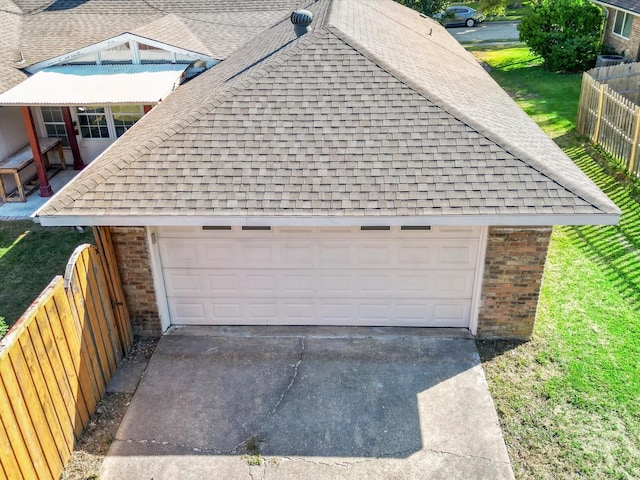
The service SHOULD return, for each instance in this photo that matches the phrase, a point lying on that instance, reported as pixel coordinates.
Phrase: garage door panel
(320, 276)
(223, 253)
(188, 312)
(181, 252)
(341, 284)
(260, 284)
(186, 283)
(223, 284)
(415, 256)
(333, 283)
(298, 284)
(453, 255)
(323, 312)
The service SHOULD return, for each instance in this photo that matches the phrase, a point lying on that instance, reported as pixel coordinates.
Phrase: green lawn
(568, 400)
(30, 256)
(552, 104)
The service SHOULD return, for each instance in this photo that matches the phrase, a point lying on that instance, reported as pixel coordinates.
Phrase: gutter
(615, 7)
(534, 220)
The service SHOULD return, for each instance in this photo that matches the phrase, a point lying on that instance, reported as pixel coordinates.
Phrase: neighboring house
(368, 172)
(622, 30)
(95, 67)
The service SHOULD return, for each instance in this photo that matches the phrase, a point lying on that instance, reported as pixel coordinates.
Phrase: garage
(369, 275)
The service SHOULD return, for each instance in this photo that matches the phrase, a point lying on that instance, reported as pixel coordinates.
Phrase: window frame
(627, 19)
(91, 112)
(64, 137)
(113, 128)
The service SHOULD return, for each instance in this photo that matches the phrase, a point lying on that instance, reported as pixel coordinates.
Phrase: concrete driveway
(310, 403)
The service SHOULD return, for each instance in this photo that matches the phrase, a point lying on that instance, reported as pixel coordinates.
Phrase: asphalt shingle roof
(41, 30)
(377, 112)
(630, 5)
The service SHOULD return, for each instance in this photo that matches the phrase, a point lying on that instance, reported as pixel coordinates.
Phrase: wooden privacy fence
(55, 364)
(609, 118)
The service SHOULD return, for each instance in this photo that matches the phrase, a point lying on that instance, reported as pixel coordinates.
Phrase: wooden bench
(21, 160)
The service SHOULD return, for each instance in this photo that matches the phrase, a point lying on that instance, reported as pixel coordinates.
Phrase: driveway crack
(216, 451)
(459, 455)
(204, 450)
(293, 378)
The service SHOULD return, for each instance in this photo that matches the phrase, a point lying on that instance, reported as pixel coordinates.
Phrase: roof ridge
(542, 167)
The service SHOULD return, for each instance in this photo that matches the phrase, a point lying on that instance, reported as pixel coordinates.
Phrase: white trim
(158, 279)
(477, 287)
(198, 220)
(614, 7)
(135, 52)
(114, 41)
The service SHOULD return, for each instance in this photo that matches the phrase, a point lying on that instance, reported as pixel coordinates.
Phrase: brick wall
(513, 270)
(629, 48)
(134, 261)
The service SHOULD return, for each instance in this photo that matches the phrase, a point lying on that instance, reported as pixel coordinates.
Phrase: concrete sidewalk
(316, 405)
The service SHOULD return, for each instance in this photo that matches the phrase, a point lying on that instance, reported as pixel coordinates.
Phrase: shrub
(426, 7)
(565, 33)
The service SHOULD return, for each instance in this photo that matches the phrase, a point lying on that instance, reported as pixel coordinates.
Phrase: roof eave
(622, 9)
(533, 220)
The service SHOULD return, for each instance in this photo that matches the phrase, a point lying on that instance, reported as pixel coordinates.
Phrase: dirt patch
(93, 445)
(87, 457)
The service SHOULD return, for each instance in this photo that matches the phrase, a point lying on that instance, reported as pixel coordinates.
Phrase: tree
(493, 7)
(565, 33)
(426, 7)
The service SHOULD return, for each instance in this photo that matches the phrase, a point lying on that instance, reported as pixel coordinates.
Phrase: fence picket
(55, 364)
(23, 419)
(18, 446)
(608, 111)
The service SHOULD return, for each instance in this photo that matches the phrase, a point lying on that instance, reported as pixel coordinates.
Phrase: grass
(30, 256)
(552, 104)
(568, 400)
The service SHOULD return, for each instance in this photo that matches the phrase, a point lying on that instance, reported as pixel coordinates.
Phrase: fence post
(636, 133)
(580, 121)
(596, 132)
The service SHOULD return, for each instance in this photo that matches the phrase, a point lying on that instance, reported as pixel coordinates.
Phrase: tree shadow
(616, 248)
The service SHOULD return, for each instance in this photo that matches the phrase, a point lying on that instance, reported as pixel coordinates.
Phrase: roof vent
(301, 20)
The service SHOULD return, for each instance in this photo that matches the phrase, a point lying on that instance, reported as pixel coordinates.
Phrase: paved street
(487, 32)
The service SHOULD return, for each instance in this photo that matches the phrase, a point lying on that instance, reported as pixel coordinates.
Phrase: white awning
(97, 85)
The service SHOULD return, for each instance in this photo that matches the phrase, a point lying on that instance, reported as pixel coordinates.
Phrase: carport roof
(376, 113)
(96, 85)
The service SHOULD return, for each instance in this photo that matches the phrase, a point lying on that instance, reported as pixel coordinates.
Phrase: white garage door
(320, 276)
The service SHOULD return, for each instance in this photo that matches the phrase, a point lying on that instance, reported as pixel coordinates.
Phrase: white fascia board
(112, 42)
(615, 7)
(440, 220)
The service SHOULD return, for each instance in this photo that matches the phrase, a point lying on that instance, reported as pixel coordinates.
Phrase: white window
(54, 124)
(93, 122)
(107, 121)
(124, 116)
(622, 25)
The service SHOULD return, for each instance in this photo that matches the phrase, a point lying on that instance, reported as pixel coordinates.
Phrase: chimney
(301, 20)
